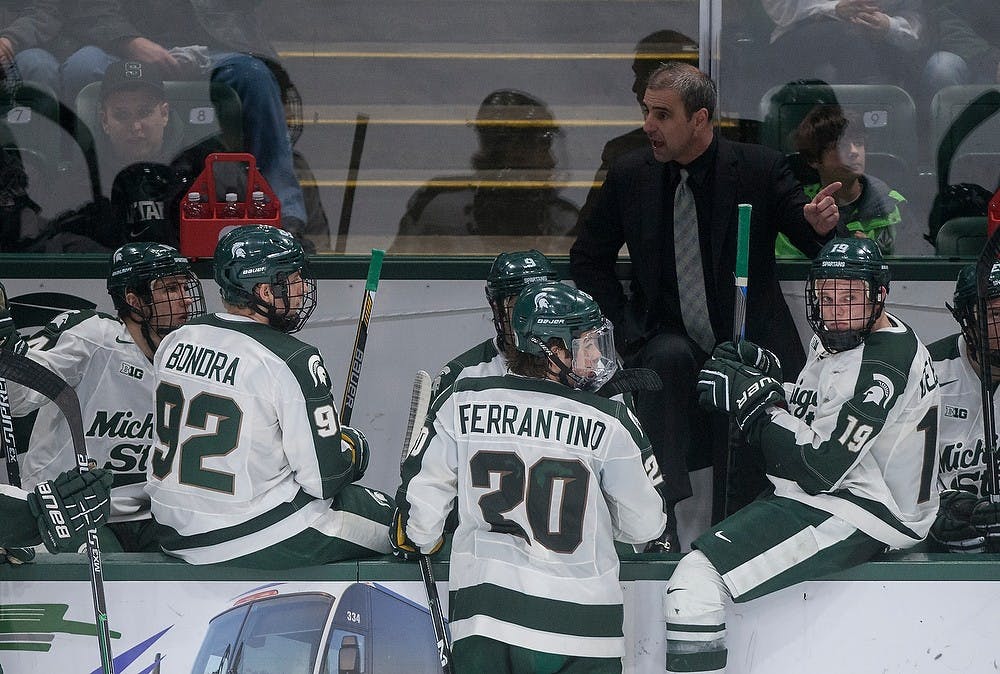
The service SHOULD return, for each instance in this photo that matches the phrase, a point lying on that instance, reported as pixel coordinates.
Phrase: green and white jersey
(857, 440)
(114, 381)
(960, 417)
(248, 449)
(19, 528)
(482, 360)
(546, 477)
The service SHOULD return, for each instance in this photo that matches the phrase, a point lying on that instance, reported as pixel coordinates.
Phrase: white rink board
(823, 627)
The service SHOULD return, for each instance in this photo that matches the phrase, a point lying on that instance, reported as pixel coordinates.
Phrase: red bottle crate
(198, 236)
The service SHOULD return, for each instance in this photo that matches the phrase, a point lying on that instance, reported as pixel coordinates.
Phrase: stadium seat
(962, 237)
(31, 119)
(888, 112)
(202, 108)
(975, 157)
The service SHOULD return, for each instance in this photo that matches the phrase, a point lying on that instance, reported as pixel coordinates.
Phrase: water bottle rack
(198, 236)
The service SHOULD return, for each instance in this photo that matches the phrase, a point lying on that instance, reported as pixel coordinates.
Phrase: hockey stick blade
(631, 379)
(26, 372)
(420, 402)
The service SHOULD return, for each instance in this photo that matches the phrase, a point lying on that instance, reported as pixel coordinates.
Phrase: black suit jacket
(630, 210)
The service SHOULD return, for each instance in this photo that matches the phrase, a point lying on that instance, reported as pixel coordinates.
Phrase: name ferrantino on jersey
(547, 424)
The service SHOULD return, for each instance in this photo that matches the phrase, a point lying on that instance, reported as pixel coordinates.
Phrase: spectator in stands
(876, 40)
(967, 520)
(635, 207)
(189, 40)
(27, 36)
(967, 50)
(516, 132)
(831, 140)
(650, 53)
(141, 159)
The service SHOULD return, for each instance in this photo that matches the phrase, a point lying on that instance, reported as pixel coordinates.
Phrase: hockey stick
(24, 371)
(741, 275)
(984, 266)
(361, 338)
(7, 420)
(7, 437)
(420, 402)
(350, 186)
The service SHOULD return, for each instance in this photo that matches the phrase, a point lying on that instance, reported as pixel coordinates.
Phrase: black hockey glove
(402, 546)
(750, 354)
(738, 389)
(986, 519)
(952, 531)
(65, 508)
(354, 441)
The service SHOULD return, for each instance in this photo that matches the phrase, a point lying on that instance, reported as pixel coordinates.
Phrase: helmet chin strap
(566, 375)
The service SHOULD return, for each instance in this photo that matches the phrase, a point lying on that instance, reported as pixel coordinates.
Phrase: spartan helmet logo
(529, 263)
(542, 303)
(880, 392)
(319, 374)
(118, 256)
(238, 249)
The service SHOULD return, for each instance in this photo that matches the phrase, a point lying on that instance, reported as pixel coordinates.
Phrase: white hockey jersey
(248, 450)
(114, 381)
(545, 477)
(960, 417)
(858, 438)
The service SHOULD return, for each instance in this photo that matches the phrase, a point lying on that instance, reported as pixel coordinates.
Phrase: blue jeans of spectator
(265, 133)
(944, 69)
(38, 65)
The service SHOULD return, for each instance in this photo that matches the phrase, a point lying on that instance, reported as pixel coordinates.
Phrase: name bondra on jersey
(203, 362)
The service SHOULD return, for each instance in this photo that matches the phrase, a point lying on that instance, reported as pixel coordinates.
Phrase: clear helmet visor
(594, 358)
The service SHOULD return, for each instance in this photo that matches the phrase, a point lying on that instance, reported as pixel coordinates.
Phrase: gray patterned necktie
(690, 275)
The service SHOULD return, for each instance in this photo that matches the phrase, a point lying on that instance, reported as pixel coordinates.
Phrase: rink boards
(912, 613)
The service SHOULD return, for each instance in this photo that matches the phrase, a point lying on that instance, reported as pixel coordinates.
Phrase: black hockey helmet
(162, 279)
(847, 259)
(965, 301)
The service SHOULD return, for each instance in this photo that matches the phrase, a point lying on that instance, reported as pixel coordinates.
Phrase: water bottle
(232, 207)
(259, 209)
(195, 208)
(993, 214)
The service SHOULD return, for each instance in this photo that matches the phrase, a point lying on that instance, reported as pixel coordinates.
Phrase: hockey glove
(738, 389)
(986, 519)
(952, 530)
(750, 354)
(402, 546)
(354, 441)
(65, 508)
(17, 556)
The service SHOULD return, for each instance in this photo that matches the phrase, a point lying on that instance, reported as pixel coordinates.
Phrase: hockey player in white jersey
(845, 447)
(107, 359)
(509, 274)
(966, 517)
(251, 466)
(546, 474)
